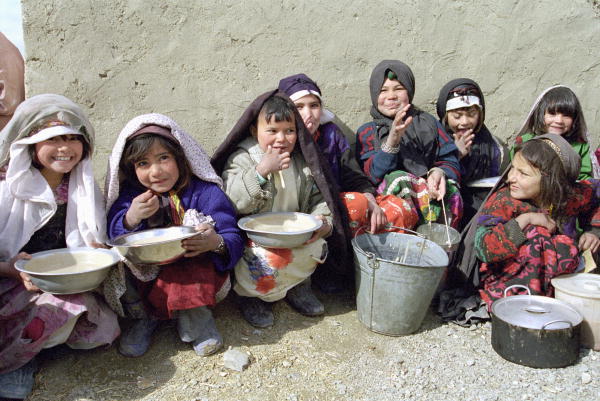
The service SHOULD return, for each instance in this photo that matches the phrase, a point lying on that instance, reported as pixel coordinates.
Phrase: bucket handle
(516, 286)
(371, 255)
(542, 330)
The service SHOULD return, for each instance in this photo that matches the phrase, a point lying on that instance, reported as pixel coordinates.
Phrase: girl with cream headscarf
(49, 200)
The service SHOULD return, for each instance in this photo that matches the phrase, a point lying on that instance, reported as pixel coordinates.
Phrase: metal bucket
(396, 278)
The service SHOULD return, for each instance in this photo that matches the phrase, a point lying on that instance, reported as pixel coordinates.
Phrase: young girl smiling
(49, 200)
(558, 111)
(158, 176)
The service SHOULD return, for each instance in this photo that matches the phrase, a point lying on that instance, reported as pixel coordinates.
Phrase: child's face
(157, 169)
(309, 107)
(392, 98)
(59, 154)
(524, 179)
(281, 136)
(461, 120)
(557, 123)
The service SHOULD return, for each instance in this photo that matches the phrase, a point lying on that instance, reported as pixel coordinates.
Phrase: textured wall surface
(202, 62)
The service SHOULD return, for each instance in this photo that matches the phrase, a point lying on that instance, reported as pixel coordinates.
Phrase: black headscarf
(339, 241)
(478, 163)
(418, 146)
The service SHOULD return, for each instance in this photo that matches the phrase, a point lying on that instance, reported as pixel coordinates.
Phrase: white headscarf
(27, 201)
(523, 129)
(197, 157)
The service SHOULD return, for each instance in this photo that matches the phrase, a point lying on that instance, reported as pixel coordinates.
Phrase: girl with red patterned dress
(527, 229)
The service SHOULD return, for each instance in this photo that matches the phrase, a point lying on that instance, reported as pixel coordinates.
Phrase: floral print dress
(532, 256)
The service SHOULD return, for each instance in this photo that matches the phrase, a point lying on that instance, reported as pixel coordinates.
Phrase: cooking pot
(582, 292)
(535, 331)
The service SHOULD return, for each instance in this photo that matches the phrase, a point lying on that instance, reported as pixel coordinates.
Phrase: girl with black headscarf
(404, 149)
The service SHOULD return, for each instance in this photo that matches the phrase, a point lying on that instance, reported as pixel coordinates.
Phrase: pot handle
(542, 330)
(516, 286)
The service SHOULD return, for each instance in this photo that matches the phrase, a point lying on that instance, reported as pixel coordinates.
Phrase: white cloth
(28, 201)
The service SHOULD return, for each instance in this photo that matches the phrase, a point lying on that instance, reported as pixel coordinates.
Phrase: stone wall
(202, 62)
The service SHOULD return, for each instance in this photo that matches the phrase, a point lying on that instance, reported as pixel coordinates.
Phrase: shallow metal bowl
(280, 229)
(436, 232)
(157, 246)
(68, 270)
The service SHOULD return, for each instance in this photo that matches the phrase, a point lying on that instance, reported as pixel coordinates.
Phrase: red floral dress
(532, 256)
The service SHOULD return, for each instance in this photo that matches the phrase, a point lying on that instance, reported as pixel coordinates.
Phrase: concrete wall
(202, 62)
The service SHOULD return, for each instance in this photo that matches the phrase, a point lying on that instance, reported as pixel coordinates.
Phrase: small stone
(335, 323)
(418, 372)
(286, 364)
(584, 368)
(244, 338)
(586, 378)
(470, 362)
(341, 389)
(143, 383)
(236, 360)
(257, 332)
(292, 397)
(223, 374)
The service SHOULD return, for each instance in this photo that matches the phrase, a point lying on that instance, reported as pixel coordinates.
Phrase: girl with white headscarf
(49, 200)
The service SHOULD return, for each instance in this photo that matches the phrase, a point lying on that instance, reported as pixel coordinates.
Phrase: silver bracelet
(221, 249)
(390, 149)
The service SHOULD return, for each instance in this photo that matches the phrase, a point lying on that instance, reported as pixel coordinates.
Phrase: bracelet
(221, 249)
(390, 149)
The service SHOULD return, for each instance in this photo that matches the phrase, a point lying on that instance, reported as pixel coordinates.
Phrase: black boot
(303, 300)
(256, 311)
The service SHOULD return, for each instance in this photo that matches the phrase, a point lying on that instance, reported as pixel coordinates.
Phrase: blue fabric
(205, 197)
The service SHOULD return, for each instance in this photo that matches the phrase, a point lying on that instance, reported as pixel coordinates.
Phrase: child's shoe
(136, 339)
(18, 383)
(304, 301)
(256, 311)
(209, 340)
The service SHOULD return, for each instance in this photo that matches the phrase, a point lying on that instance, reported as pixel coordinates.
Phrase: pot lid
(536, 312)
(579, 284)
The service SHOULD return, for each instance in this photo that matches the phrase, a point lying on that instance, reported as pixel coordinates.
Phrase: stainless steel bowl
(68, 270)
(437, 233)
(280, 229)
(157, 246)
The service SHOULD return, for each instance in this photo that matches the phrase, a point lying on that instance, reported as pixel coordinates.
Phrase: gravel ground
(330, 358)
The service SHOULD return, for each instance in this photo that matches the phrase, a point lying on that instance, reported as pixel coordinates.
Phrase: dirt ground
(333, 357)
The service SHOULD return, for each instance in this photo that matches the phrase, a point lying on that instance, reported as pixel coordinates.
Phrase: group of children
(284, 154)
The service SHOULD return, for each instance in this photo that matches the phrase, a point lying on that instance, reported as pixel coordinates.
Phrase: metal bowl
(157, 246)
(437, 233)
(68, 270)
(280, 229)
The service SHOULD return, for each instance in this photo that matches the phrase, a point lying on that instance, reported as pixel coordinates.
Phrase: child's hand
(399, 126)
(273, 161)
(323, 231)
(206, 240)
(463, 142)
(536, 219)
(589, 241)
(378, 217)
(142, 207)
(436, 184)
(24, 277)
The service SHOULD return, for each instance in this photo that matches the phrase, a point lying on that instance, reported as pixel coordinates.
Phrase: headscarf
(423, 128)
(196, 156)
(479, 162)
(12, 76)
(27, 201)
(466, 255)
(340, 240)
(526, 123)
(300, 85)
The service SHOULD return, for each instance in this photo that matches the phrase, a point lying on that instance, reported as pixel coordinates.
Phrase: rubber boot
(18, 384)
(303, 300)
(256, 311)
(136, 339)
